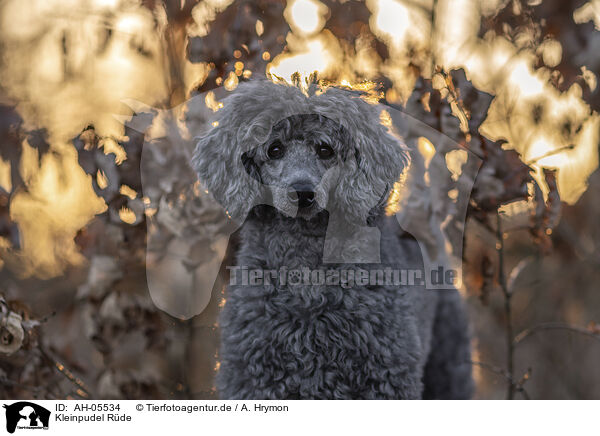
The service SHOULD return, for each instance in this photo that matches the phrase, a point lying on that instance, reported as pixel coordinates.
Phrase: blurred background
(88, 85)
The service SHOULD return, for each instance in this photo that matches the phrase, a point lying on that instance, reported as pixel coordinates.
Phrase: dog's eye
(325, 151)
(275, 151)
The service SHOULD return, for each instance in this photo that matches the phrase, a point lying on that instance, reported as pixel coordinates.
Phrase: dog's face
(273, 144)
(300, 163)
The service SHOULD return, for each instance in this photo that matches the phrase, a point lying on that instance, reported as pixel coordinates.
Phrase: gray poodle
(319, 305)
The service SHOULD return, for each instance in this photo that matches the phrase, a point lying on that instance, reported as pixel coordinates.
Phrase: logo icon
(26, 415)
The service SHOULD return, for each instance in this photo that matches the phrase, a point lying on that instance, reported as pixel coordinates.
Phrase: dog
(310, 312)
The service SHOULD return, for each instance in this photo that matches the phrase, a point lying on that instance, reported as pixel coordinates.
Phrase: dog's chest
(326, 341)
(313, 325)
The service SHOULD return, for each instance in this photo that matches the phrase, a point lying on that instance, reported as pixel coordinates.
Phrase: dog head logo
(26, 415)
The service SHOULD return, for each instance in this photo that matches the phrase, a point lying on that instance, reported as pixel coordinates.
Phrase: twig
(519, 385)
(501, 372)
(554, 326)
(46, 318)
(507, 308)
(432, 35)
(492, 368)
(81, 390)
(550, 153)
(516, 271)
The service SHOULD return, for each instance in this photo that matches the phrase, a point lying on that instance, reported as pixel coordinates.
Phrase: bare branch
(507, 307)
(554, 326)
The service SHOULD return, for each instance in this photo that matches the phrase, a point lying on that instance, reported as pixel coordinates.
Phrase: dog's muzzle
(301, 195)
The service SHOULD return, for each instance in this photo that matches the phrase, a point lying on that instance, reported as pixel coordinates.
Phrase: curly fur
(323, 341)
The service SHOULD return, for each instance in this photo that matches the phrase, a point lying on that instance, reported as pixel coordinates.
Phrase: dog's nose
(301, 194)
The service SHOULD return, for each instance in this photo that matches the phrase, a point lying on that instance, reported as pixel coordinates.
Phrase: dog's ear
(222, 169)
(378, 163)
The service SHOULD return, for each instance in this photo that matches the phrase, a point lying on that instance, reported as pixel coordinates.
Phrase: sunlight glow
(52, 210)
(392, 18)
(315, 57)
(526, 82)
(305, 16)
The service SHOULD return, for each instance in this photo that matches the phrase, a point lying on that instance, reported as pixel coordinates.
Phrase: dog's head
(272, 144)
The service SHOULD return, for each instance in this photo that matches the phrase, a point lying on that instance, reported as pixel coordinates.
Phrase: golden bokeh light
(59, 201)
(318, 54)
(392, 19)
(305, 17)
